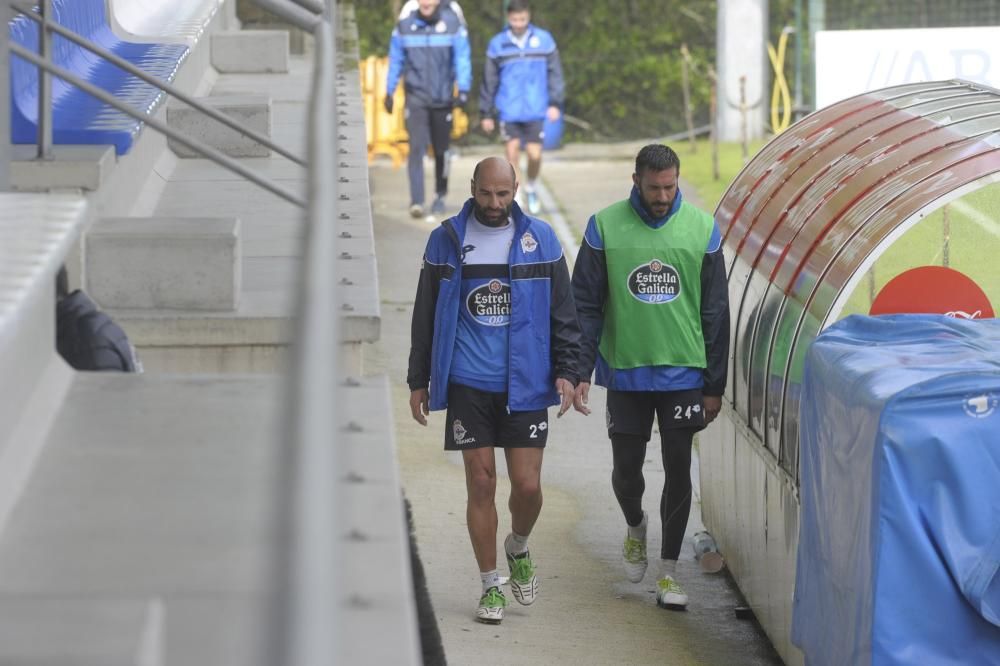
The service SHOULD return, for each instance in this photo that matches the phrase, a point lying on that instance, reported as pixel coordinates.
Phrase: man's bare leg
(524, 466)
(534, 151)
(481, 510)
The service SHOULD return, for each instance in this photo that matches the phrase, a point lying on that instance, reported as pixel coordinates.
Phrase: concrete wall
(742, 52)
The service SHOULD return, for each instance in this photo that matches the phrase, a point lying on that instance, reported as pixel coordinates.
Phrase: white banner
(850, 62)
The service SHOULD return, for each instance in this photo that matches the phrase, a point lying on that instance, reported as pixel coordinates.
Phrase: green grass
(973, 248)
(696, 168)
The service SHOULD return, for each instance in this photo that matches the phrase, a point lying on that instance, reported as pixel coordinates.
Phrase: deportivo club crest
(461, 434)
(489, 303)
(655, 282)
(528, 242)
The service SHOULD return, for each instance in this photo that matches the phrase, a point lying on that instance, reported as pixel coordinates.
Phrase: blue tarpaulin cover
(899, 542)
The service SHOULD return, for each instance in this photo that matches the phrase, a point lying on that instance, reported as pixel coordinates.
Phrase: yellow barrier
(386, 133)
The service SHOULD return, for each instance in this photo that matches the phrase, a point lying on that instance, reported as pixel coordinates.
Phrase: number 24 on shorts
(686, 413)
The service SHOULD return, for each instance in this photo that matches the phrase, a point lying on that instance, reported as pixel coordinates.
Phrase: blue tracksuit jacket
(431, 55)
(520, 84)
(544, 334)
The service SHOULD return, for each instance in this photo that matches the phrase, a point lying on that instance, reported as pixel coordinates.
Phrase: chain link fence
(867, 15)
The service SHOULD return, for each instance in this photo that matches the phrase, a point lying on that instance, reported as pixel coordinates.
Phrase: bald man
(495, 342)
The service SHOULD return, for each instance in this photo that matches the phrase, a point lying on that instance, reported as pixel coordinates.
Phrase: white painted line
(987, 223)
(554, 217)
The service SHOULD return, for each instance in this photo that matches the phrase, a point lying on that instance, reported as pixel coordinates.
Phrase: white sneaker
(523, 581)
(634, 558)
(670, 595)
(491, 605)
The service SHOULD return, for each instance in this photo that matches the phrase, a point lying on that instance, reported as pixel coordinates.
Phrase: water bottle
(706, 552)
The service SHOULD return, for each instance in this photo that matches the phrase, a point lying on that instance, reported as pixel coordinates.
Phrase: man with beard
(495, 341)
(651, 296)
(429, 49)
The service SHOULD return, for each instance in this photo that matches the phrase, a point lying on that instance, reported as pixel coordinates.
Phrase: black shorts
(631, 412)
(480, 418)
(528, 132)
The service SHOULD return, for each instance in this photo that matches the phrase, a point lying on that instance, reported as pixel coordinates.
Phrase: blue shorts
(528, 132)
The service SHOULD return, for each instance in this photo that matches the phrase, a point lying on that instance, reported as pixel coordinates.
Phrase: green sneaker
(523, 581)
(670, 595)
(634, 558)
(491, 606)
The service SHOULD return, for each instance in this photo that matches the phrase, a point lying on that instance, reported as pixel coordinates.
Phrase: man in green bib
(651, 297)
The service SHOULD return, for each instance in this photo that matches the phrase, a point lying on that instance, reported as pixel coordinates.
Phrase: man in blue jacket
(429, 49)
(494, 341)
(522, 86)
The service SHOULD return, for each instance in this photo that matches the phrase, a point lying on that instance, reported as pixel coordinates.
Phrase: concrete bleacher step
(57, 631)
(150, 487)
(250, 51)
(165, 263)
(252, 111)
(79, 167)
(36, 233)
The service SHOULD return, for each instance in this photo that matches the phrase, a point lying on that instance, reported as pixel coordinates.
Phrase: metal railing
(309, 612)
(302, 626)
(294, 14)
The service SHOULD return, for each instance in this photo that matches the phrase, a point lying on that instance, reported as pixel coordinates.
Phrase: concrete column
(742, 52)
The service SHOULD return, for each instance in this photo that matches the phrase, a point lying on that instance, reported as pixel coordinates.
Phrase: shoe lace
(493, 598)
(522, 569)
(669, 585)
(635, 549)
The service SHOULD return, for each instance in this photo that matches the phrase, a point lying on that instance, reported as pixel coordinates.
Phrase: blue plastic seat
(79, 118)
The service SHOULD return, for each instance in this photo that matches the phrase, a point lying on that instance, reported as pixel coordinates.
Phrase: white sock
(668, 568)
(639, 531)
(515, 544)
(529, 186)
(490, 579)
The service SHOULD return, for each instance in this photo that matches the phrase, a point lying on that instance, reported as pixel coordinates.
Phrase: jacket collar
(460, 222)
(641, 211)
(529, 31)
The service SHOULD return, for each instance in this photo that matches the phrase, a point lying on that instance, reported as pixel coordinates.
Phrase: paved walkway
(587, 612)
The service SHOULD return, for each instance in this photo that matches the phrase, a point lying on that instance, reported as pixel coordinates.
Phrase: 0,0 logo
(655, 282)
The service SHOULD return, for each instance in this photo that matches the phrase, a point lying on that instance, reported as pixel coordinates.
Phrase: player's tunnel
(884, 202)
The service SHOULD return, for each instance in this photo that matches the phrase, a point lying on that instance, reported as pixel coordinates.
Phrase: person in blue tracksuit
(429, 50)
(522, 86)
(495, 341)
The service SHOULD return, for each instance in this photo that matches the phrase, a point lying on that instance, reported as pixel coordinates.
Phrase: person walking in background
(413, 6)
(651, 295)
(429, 50)
(87, 338)
(495, 341)
(522, 86)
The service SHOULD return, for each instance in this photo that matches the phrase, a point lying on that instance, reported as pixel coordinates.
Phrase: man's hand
(420, 405)
(387, 102)
(554, 113)
(581, 397)
(712, 405)
(566, 392)
(488, 125)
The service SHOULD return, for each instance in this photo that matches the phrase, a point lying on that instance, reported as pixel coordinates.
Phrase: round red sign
(933, 290)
